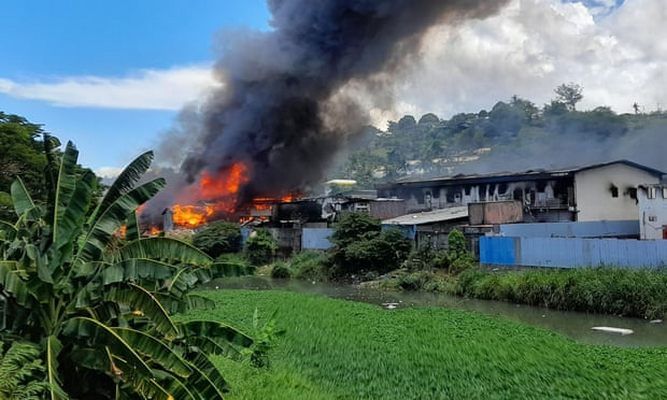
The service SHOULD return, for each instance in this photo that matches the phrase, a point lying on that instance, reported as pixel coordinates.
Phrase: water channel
(575, 325)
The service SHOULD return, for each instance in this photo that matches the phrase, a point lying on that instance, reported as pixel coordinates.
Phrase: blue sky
(112, 75)
(52, 40)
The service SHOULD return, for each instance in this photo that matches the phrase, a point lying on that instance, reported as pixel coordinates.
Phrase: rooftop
(427, 217)
(532, 173)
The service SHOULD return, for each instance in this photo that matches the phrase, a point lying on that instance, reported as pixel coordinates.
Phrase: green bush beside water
(335, 349)
(632, 293)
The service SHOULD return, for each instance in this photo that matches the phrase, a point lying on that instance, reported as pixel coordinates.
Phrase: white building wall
(593, 192)
(652, 211)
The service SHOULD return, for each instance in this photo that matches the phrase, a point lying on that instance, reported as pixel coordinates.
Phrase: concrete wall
(653, 211)
(594, 194)
(572, 252)
(590, 229)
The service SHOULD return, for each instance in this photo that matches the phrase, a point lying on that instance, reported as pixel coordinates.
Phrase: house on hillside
(604, 191)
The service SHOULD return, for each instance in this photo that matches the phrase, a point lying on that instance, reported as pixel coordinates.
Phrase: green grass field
(334, 349)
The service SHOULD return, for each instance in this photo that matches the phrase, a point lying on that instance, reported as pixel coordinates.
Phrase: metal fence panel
(572, 252)
(316, 238)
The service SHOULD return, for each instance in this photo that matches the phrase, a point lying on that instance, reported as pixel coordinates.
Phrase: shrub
(309, 265)
(381, 253)
(260, 247)
(217, 238)
(280, 270)
(456, 244)
(632, 293)
(354, 227)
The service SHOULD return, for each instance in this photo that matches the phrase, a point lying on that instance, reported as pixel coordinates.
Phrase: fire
(191, 216)
(217, 194)
(225, 184)
(154, 231)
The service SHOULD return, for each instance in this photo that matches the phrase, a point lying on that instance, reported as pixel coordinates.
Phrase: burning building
(606, 191)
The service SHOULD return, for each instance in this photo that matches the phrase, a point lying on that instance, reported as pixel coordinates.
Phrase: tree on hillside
(569, 94)
(21, 154)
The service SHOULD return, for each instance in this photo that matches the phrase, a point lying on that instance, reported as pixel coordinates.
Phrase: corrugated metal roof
(427, 217)
(528, 173)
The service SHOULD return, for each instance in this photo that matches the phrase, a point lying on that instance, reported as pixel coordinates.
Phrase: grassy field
(334, 349)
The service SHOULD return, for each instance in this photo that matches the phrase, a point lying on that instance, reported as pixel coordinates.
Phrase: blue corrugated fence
(571, 252)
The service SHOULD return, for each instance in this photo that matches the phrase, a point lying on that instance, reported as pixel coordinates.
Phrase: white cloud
(149, 89)
(108, 172)
(531, 47)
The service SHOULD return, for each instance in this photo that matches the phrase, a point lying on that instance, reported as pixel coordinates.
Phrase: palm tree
(101, 308)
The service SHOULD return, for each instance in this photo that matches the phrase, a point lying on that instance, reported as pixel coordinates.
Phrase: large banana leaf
(104, 335)
(215, 331)
(53, 348)
(70, 222)
(11, 282)
(65, 188)
(182, 282)
(123, 183)
(132, 232)
(146, 386)
(205, 379)
(155, 349)
(167, 249)
(137, 269)
(20, 197)
(112, 218)
(141, 300)
(184, 304)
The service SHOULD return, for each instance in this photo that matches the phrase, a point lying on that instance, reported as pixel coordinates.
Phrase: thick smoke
(282, 108)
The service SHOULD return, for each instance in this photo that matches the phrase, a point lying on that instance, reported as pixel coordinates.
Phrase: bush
(309, 265)
(381, 253)
(354, 227)
(217, 238)
(231, 265)
(280, 270)
(260, 247)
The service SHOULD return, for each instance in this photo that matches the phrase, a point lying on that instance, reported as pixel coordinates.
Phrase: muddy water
(573, 324)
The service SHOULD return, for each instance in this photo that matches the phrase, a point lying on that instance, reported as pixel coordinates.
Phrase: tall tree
(569, 94)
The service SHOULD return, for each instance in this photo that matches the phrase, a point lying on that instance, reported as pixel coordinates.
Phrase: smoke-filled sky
(114, 84)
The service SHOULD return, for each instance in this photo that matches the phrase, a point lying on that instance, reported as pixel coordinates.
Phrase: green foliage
(336, 349)
(100, 310)
(22, 374)
(217, 238)
(260, 247)
(280, 270)
(309, 265)
(361, 245)
(632, 293)
(353, 227)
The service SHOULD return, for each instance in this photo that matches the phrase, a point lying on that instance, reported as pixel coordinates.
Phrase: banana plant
(100, 308)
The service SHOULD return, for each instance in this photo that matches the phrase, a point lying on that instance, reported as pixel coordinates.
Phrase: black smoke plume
(282, 108)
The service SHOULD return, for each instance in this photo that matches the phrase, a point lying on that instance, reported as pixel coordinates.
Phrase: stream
(575, 325)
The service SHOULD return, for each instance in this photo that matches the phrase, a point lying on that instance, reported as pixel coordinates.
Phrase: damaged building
(605, 191)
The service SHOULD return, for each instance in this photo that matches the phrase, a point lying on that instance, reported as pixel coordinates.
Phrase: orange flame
(191, 216)
(154, 231)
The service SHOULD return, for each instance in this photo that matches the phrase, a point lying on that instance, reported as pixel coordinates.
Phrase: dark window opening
(436, 194)
(502, 188)
(614, 191)
(541, 185)
(632, 192)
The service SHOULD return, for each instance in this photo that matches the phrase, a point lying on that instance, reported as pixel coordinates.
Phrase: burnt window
(614, 190)
(436, 194)
(419, 195)
(502, 188)
(541, 185)
(632, 192)
(466, 190)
